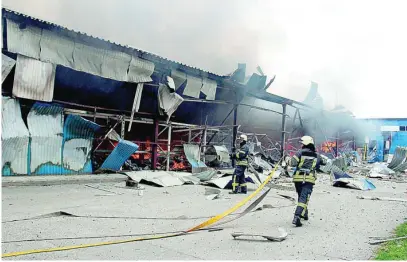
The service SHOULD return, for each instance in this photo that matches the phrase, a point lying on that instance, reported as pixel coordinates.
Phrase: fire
(327, 146)
(178, 166)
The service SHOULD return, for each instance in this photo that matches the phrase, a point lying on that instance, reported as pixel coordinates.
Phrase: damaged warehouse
(111, 108)
(98, 136)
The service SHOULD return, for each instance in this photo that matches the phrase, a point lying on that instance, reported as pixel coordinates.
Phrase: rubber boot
(305, 217)
(236, 191)
(243, 190)
(297, 221)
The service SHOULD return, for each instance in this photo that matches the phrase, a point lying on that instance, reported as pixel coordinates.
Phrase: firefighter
(238, 178)
(305, 161)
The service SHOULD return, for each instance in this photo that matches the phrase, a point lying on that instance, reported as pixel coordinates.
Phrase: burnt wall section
(15, 139)
(50, 145)
(77, 144)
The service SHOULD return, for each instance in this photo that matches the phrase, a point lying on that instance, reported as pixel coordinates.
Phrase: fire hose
(199, 227)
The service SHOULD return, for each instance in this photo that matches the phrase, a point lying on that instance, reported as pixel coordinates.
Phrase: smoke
(354, 50)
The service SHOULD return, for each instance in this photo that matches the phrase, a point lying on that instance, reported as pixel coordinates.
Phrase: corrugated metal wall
(48, 146)
(15, 139)
(77, 145)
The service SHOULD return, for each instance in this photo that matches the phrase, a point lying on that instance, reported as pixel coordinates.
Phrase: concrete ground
(339, 225)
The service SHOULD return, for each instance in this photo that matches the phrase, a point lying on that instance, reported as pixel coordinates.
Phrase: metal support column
(204, 145)
(283, 130)
(123, 128)
(154, 147)
(168, 148)
(234, 133)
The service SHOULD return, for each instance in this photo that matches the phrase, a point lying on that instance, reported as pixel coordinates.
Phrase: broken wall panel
(119, 155)
(167, 100)
(34, 79)
(115, 65)
(7, 64)
(140, 70)
(88, 59)
(77, 144)
(56, 49)
(179, 78)
(193, 87)
(209, 89)
(45, 123)
(192, 154)
(53, 48)
(23, 39)
(15, 139)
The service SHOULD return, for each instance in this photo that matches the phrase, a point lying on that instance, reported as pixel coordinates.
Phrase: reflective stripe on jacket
(306, 162)
(241, 156)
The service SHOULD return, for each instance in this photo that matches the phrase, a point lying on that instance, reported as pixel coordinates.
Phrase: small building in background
(385, 135)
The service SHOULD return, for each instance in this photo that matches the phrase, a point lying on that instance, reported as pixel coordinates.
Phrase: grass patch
(394, 250)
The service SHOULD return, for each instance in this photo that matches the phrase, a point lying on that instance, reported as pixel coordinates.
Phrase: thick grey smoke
(353, 50)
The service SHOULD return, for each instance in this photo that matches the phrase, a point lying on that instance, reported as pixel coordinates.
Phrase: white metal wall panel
(23, 41)
(140, 70)
(167, 100)
(34, 79)
(45, 150)
(7, 64)
(11, 121)
(46, 127)
(56, 49)
(15, 137)
(193, 87)
(88, 59)
(179, 78)
(115, 65)
(209, 89)
(45, 124)
(52, 48)
(76, 153)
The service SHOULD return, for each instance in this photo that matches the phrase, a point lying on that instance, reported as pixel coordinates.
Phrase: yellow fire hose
(207, 223)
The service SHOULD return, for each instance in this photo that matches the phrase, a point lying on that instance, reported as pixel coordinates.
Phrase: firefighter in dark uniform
(238, 178)
(306, 161)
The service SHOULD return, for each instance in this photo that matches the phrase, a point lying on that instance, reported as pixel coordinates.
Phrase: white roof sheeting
(34, 79)
(52, 48)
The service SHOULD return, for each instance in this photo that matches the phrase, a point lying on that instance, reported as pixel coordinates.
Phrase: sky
(355, 50)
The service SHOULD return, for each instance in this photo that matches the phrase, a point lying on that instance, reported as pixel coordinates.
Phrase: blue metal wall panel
(77, 144)
(119, 155)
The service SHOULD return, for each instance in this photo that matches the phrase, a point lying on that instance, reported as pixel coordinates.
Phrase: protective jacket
(306, 162)
(242, 155)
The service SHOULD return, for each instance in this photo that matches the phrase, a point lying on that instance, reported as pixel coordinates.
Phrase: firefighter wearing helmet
(305, 161)
(238, 178)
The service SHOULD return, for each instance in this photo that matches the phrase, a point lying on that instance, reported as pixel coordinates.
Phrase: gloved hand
(287, 159)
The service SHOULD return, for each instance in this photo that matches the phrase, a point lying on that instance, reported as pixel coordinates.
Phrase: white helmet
(306, 140)
(243, 137)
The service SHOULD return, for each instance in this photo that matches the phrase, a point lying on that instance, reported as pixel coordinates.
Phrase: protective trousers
(238, 180)
(304, 190)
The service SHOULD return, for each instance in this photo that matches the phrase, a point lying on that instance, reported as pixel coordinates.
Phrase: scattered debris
(345, 180)
(131, 183)
(98, 188)
(380, 240)
(162, 178)
(283, 235)
(212, 193)
(382, 198)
